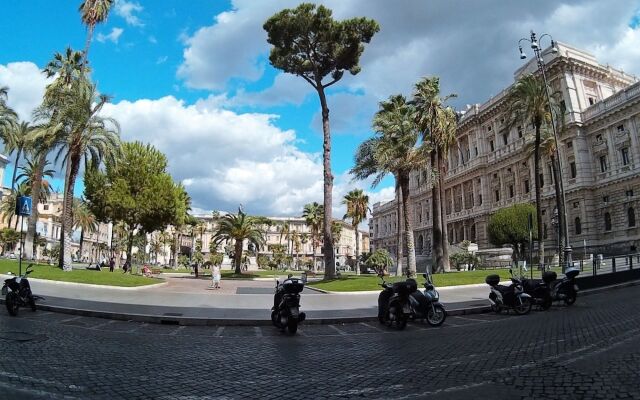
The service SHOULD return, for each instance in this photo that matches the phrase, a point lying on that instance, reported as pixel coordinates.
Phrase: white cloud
(161, 60)
(26, 87)
(127, 10)
(113, 36)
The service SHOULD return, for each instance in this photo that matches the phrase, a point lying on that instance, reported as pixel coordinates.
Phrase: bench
(156, 271)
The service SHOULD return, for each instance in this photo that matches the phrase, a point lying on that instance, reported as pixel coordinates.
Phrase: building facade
(492, 165)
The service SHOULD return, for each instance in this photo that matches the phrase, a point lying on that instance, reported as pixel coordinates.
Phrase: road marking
(258, 331)
(71, 319)
(111, 321)
(178, 329)
(30, 379)
(472, 319)
(34, 392)
(340, 331)
(219, 331)
(135, 328)
(372, 327)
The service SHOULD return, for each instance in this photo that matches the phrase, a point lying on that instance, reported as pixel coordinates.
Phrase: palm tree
(8, 117)
(18, 143)
(84, 137)
(155, 247)
(92, 13)
(237, 228)
(395, 150)
(84, 220)
(357, 206)
(8, 204)
(336, 232)
(313, 214)
(527, 101)
(30, 172)
(164, 237)
(295, 245)
(437, 125)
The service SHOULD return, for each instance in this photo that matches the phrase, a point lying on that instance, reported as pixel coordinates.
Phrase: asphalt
(190, 302)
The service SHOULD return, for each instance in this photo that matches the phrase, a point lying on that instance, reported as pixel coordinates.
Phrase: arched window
(420, 244)
(631, 217)
(607, 221)
(473, 233)
(578, 226)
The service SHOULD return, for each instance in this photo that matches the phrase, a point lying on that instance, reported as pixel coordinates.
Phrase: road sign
(23, 206)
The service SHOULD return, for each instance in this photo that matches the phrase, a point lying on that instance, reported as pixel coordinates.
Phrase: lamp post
(535, 46)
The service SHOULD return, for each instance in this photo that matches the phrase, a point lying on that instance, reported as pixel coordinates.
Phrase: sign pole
(23, 207)
(21, 247)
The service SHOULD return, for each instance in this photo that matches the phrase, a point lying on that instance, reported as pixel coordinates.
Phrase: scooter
(285, 313)
(540, 289)
(566, 289)
(394, 308)
(508, 297)
(427, 306)
(18, 293)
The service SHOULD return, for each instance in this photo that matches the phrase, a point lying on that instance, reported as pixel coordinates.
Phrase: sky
(193, 79)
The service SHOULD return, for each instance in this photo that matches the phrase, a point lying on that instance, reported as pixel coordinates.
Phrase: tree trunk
(129, 249)
(329, 256)
(81, 241)
(355, 227)
(408, 226)
(237, 257)
(399, 229)
(443, 215)
(88, 43)
(436, 210)
(536, 169)
(67, 212)
(15, 170)
(560, 207)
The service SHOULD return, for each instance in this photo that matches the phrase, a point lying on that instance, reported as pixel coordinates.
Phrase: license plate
(5, 290)
(575, 287)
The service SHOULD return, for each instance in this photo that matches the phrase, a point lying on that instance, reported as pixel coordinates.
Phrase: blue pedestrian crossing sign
(23, 206)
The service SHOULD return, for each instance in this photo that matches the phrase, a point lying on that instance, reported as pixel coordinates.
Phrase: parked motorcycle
(394, 308)
(566, 289)
(18, 293)
(544, 292)
(426, 306)
(285, 313)
(540, 289)
(508, 297)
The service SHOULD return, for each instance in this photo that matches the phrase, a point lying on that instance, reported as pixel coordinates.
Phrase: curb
(179, 320)
(91, 285)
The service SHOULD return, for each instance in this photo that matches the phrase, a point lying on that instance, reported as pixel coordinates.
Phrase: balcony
(468, 166)
(611, 102)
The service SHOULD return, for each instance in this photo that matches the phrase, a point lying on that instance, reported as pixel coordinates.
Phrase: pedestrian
(215, 276)
(112, 264)
(195, 269)
(126, 267)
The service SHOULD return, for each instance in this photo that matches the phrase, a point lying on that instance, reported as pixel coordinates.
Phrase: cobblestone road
(591, 350)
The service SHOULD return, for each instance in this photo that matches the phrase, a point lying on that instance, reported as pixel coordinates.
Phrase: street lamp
(534, 42)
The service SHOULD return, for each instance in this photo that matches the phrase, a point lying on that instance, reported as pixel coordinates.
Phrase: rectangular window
(541, 180)
(629, 193)
(511, 194)
(570, 144)
(605, 199)
(599, 138)
(592, 101)
(497, 195)
(491, 144)
(519, 131)
(505, 138)
(620, 128)
(572, 166)
(624, 152)
(526, 186)
(603, 163)
(45, 207)
(476, 148)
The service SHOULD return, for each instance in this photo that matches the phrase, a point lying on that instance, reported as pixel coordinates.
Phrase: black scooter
(285, 313)
(426, 306)
(551, 289)
(540, 289)
(394, 309)
(18, 293)
(508, 297)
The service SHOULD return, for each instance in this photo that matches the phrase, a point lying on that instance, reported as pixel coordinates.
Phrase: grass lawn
(103, 277)
(352, 283)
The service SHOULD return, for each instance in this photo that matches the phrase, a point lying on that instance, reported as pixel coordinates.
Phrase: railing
(612, 101)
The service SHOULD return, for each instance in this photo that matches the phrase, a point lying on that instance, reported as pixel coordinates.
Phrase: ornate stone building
(492, 166)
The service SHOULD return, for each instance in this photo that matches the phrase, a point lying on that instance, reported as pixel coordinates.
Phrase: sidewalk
(189, 301)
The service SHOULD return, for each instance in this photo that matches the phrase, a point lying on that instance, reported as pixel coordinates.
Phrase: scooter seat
(503, 288)
(530, 284)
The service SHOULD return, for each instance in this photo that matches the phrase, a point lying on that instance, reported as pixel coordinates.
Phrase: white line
(34, 392)
(70, 319)
(258, 331)
(178, 329)
(135, 328)
(111, 321)
(25, 378)
(219, 331)
(335, 328)
(471, 319)
(372, 327)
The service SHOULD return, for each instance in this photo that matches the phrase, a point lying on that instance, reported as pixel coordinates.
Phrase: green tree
(84, 220)
(395, 149)
(313, 215)
(437, 123)
(216, 258)
(9, 238)
(527, 102)
(510, 226)
(357, 207)
(8, 204)
(309, 43)
(31, 171)
(18, 142)
(135, 189)
(237, 228)
(93, 12)
(380, 261)
(8, 118)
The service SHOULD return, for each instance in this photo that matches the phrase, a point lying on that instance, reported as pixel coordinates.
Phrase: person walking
(215, 276)
(112, 264)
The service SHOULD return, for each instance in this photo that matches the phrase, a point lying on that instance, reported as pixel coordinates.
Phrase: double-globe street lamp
(535, 46)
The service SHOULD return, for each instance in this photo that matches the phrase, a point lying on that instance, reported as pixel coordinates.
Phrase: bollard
(594, 266)
(613, 265)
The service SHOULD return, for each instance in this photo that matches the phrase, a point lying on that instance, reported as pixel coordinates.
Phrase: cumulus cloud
(472, 46)
(127, 10)
(26, 87)
(113, 36)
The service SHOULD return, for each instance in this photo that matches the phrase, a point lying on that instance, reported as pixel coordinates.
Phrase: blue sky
(193, 78)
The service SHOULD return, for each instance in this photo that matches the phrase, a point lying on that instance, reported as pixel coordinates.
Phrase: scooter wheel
(570, 299)
(11, 302)
(546, 304)
(274, 317)
(292, 326)
(436, 315)
(32, 303)
(496, 308)
(524, 307)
